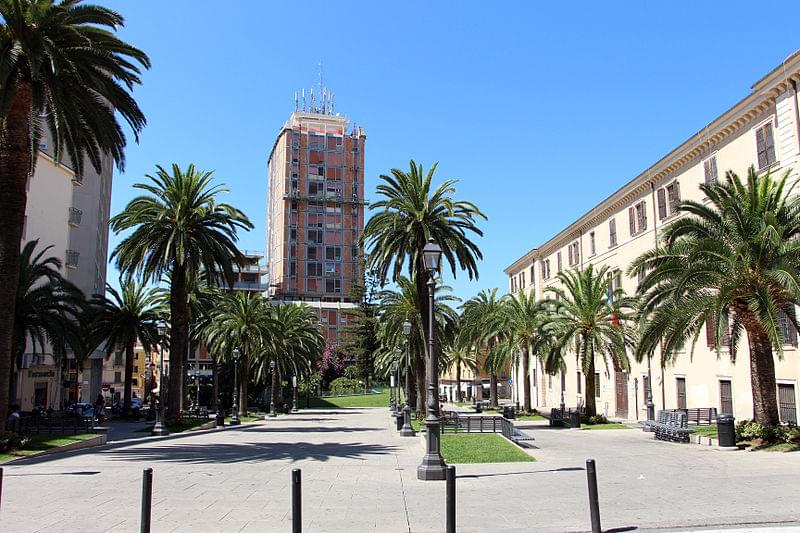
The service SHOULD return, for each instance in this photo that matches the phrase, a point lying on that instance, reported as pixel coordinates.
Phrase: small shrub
(593, 420)
(793, 435)
(752, 430)
(10, 441)
(352, 372)
(345, 386)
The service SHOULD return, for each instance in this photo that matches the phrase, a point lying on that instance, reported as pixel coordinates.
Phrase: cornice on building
(760, 100)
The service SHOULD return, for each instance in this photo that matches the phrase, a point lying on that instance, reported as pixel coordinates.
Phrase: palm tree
(179, 229)
(731, 263)
(411, 214)
(523, 316)
(48, 308)
(122, 317)
(397, 306)
(459, 355)
(294, 347)
(587, 319)
(240, 321)
(483, 322)
(61, 68)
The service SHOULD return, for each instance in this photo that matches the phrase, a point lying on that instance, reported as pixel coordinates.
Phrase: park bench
(195, 415)
(479, 406)
(702, 414)
(564, 417)
(670, 426)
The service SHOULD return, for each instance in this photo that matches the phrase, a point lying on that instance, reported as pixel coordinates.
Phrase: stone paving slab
(359, 475)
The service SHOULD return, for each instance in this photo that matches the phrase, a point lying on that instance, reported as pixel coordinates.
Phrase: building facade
(763, 129)
(70, 214)
(315, 212)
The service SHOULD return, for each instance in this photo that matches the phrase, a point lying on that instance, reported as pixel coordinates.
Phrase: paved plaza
(359, 475)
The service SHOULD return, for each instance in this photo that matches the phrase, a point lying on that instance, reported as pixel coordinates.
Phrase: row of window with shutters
(785, 326)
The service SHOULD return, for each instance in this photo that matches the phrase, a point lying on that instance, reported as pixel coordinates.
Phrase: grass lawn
(246, 418)
(477, 448)
(781, 447)
(39, 443)
(362, 400)
(610, 425)
(530, 418)
(705, 431)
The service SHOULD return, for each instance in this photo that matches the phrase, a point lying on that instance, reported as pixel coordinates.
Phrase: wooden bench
(670, 426)
(556, 417)
(702, 414)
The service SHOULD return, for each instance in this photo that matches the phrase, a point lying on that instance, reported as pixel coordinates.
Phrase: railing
(241, 285)
(75, 216)
(478, 424)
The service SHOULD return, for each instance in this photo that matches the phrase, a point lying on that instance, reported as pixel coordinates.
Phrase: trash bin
(726, 433)
(398, 418)
(508, 412)
(478, 407)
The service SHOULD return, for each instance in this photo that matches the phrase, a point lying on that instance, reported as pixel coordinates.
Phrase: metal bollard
(450, 478)
(297, 512)
(147, 499)
(1, 486)
(594, 503)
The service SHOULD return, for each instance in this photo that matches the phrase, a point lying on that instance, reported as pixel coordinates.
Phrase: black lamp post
(407, 430)
(651, 408)
(272, 412)
(235, 414)
(160, 429)
(433, 466)
(294, 394)
(392, 386)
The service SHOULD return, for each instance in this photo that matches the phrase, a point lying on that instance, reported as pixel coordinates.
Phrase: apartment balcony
(75, 216)
(72, 258)
(258, 269)
(245, 286)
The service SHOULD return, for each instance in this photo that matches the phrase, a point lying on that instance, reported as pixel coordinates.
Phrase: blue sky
(540, 110)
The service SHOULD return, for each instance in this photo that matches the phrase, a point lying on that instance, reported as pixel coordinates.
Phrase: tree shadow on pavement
(249, 452)
(304, 429)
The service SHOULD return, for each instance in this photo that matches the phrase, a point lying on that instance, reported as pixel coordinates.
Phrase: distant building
(70, 214)
(761, 130)
(315, 211)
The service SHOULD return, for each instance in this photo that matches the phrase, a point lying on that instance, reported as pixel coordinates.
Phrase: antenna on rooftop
(295, 102)
(304, 99)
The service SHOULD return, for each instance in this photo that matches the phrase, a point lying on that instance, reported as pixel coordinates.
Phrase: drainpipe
(796, 113)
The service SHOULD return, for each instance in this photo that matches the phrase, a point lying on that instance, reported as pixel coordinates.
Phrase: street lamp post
(272, 412)
(407, 430)
(159, 429)
(651, 408)
(294, 394)
(235, 414)
(392, 401)
(433, 466)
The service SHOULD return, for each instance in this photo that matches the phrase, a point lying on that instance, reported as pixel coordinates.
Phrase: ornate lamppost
(294, 393)
(392, 386)
(272, 412)
(235, 414)
(160, 429)
(407, 430)
(433, 466)
(651, 408)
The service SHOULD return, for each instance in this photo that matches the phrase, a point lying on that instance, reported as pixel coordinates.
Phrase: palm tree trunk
(179, 333)
(526, 380)
(15, 169)
(243, 387)
(762, 373)
(419, 371)
(275, 386)
(591, 400)
(126, 394)
(459, 397)
(492, 389)
(412, 388)
(541, 380)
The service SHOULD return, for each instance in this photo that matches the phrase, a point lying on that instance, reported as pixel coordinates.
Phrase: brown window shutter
(710, 333)
(662, 204)
(632, 220)
(644, 216)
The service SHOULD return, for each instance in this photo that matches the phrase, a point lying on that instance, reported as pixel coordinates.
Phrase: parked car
(81, 409)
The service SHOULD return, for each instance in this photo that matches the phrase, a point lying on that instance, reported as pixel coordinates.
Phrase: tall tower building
(315, 210)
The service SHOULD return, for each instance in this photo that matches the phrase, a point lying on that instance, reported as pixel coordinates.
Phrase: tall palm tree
(731, 262)
(583, 319)
(523, 322)
(48, 308)
(122, 317)
(61, 68)
(397, 306)
(410, 214)
(295, 346)
(240, 321)
(483, 322)
(180, 229)
(459, 355)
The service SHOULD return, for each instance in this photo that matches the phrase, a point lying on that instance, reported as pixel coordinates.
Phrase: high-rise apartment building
(315, 211)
